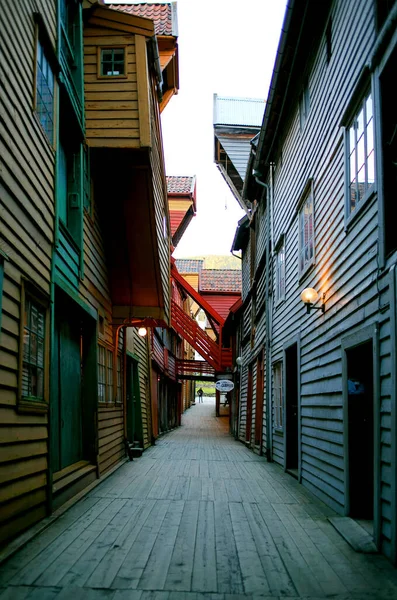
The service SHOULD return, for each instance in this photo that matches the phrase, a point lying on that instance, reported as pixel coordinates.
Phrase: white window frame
(278, 406)
(306, 241)
(44, 90)
(361, 158)
(280, 270)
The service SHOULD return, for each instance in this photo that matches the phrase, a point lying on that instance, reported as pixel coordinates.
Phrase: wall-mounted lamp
(142, 331)
(239, 361)
(309, 296)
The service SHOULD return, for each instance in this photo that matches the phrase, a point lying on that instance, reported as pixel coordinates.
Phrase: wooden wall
(346, 268)
(111, 106)
(139, 347)
(160, 202)
(26, 237)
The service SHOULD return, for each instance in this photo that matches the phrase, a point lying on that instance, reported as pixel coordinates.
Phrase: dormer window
(112, 62)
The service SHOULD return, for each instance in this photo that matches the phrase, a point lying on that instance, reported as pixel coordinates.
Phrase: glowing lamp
(309, 297)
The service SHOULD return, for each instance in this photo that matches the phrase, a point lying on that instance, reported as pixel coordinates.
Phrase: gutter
(274, 82)
(155, 57)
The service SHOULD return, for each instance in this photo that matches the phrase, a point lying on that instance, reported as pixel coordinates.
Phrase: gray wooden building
(319, 186)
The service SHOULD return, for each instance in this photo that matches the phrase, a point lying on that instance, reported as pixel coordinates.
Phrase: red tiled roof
(220, 280)
(177, 184)
(161, 14)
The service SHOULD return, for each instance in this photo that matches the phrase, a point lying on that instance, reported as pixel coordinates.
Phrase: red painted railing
(194, 368)
(189, 329)
(218, 358)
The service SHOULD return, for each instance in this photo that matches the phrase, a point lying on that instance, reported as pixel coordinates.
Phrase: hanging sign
(224, 385)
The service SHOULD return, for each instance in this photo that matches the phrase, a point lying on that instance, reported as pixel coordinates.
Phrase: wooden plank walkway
(198, 516)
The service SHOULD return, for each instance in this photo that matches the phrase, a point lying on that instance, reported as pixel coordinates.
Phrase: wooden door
(259, 402)
(291, 408)
(248, 424)
(134, 412)
(66, 422)
(361, 430)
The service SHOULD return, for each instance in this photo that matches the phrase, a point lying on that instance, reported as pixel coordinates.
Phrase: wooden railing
(194, 369)
(218, 358)
(189, 329)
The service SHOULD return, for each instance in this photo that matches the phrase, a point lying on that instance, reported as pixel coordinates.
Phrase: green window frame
(44, 97)
(120, 378)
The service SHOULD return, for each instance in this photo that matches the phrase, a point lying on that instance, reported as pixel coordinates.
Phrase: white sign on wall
(224, 385)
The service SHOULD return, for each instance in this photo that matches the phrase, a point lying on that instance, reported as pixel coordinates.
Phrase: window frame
(99, 62)
(370, 188)
(278, 400)
(304, 104)
(119, 378)
(280, 246)
(107, 382)
(47, 51)
(28, 403)
(307, 265)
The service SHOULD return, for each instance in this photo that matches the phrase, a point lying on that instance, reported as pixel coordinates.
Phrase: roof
(185, 265)
(246, 112)
(163, 15)
(238, 150)
(180, 185)
(220, 280)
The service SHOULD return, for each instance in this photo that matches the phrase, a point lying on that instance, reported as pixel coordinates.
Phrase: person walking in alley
(200, 394)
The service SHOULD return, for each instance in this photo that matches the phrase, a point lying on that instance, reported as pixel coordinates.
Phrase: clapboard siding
(112, 116)
(346, 265)
(27, 232)
(160, 202)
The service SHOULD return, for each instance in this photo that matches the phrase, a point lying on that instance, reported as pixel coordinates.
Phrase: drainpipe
(256, 175)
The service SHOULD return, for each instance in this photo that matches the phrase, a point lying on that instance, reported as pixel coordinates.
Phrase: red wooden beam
(196, 296)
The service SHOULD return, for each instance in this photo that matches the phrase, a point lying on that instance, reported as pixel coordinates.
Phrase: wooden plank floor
(198, 516)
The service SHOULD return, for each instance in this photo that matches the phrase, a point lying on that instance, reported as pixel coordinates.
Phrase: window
(304, 104)
(112, 62)
(88, 182)
(280, 271)
(360, 151)
(70, 179)
(278, 395)
(101, 374)
(306, 234)
(44, 92)
(109, 376)
(33, 354)
(105, 374)
(120, 377)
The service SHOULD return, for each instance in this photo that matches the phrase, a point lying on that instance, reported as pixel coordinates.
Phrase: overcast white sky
(226, 47)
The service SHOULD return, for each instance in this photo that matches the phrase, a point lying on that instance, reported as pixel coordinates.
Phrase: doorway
(360, 430)
(291, 410)
(248, 423)
(73, 385)
(259, 402)
(134, 412)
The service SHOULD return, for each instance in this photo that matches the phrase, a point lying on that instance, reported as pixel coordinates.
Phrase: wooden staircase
(211, 351)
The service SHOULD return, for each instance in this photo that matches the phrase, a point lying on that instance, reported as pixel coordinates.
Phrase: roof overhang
(127, 209)
(242, 234)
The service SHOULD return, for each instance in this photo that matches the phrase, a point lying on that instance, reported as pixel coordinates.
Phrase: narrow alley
(197, 516)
